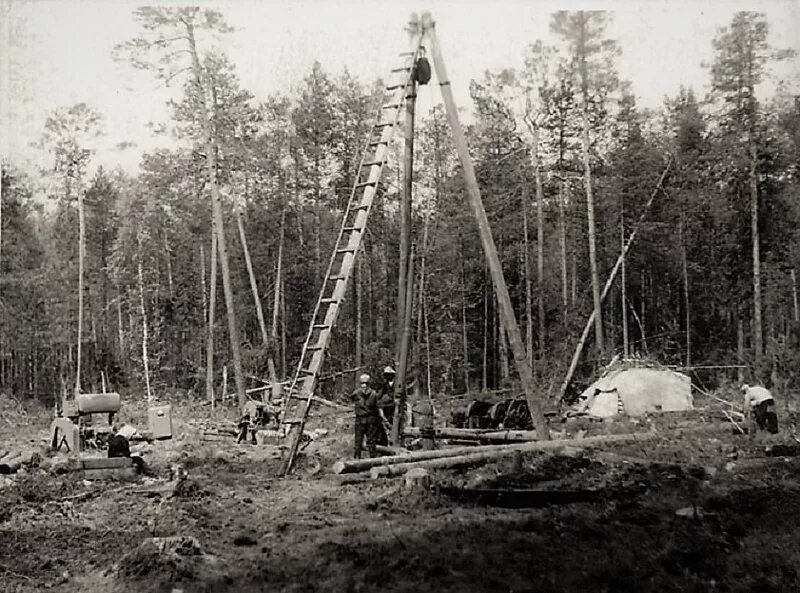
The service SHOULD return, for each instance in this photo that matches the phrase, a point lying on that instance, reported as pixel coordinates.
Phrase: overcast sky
(57, 53)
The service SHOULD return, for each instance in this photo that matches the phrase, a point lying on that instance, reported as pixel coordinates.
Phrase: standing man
(368, 419)
(386, 402)
(759, 402)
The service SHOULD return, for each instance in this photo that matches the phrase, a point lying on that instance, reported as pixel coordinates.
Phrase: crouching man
(760, 405)
(368, 418)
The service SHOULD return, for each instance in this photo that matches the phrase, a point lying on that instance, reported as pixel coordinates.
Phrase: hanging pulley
(422, 70)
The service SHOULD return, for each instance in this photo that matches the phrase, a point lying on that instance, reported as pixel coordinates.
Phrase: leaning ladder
(334, 285)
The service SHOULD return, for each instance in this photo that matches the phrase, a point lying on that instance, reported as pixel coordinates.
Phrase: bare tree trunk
(686, 300)
(402, 367)
(143, 311)
(539, 242)
(795, 308)
(283, 328)
(203, 283)
(758, 338)
(528, 289)
(81, 258)
(587, 179)
(211, 319)
(624, 292)
(740, 346)
(485, 365)
(464, 342)
(168, 258)
(120, 328)
(211, 169)
(265, 338)
(276, 301)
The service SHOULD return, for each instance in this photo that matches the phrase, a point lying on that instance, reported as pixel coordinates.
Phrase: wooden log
(448, 432)
(13, 462)
(357, 465)
(492, 453)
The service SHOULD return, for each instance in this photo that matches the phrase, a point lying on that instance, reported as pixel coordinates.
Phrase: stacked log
(465, 456)
(12, 461)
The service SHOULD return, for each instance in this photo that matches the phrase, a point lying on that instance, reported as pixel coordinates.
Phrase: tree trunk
(502, 342)
(276, 300)
(686, 300)
(211, 170)
(143, 311)
(211, 319)
(485, 365)
(539, 242)
(262, 325)
(623, 292)
(795, 308)
(740, 346)
(464, 342)
(527, 269)
(168, 259)
(81, 261)
(758, 339)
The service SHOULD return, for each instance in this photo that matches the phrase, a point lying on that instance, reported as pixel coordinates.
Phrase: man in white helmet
(368, 419)
(759, 402)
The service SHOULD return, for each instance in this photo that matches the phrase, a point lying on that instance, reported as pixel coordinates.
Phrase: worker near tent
(368, 418)
(759, 402)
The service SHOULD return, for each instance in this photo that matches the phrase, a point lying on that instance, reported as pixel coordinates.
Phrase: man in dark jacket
(368, 419)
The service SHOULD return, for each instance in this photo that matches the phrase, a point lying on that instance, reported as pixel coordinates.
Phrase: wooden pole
(590, 322)
(405, 338)
(503, 298)
(405, 199)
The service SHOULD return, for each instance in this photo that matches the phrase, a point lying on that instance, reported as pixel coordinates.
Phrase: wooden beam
(495, 267)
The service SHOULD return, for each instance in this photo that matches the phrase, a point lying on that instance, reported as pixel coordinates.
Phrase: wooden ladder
(334, 286)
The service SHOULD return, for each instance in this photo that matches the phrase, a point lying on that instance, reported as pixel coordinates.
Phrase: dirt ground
(239, 527)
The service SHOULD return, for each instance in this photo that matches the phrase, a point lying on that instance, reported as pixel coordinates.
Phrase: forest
(120, 279)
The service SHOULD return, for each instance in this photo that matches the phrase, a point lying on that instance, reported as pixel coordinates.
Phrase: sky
(58, 53)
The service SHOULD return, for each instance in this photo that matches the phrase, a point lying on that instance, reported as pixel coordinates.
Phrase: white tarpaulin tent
(637, 391)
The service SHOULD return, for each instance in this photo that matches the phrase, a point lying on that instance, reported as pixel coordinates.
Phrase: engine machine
(85, 422)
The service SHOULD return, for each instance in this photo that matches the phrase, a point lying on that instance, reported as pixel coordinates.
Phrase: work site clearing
(709, 509)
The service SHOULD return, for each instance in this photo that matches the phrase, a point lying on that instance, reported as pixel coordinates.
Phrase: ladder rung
(394, 87)
(392, 106)
(378, 143)
(371, 163)
(365, 184)
(321, 326)
(292, 421)
(346, 250)
(348, 229)
(403, 69)
(328, 300)
(383, 124)
(314, 347)
(335, 277)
